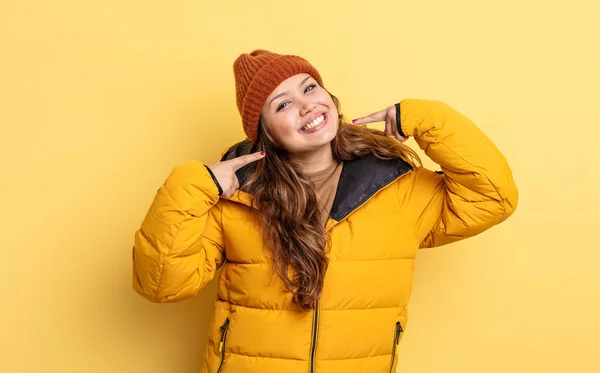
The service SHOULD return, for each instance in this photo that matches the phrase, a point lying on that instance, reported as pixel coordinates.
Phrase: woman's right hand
(225, 171)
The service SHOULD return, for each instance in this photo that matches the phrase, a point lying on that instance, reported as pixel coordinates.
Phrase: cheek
(287, 122)
(325, 99)
(283, 126)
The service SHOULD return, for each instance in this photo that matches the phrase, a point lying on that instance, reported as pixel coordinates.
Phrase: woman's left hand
(391, 122)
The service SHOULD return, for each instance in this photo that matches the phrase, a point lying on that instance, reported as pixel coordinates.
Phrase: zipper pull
(224, 327)
(399, 331)
(223, 330)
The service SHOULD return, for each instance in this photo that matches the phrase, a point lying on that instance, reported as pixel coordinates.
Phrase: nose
(306, 108)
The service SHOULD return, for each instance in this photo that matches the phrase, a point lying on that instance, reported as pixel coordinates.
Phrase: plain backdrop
(99, 100)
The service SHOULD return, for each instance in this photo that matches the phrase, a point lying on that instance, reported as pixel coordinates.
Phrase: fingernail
(353, 120)
(262, 153)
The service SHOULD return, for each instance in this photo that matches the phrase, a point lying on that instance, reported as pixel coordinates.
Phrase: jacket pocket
(397, 333)
(224, 328)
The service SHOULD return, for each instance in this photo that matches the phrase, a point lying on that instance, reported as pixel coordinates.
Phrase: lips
(312, 118)
(316, 128)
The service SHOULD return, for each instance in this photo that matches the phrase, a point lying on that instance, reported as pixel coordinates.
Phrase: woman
(316, 222)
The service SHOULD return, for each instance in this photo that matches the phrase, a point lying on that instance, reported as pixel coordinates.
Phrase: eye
(309, 88)
(312, 87)
(281, 106)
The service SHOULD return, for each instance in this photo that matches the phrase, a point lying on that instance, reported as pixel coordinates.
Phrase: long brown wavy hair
(286, 202)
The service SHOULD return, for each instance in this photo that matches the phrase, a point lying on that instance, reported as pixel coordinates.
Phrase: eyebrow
(283, 93)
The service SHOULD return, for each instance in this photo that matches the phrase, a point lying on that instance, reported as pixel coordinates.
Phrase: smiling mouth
(315, 124)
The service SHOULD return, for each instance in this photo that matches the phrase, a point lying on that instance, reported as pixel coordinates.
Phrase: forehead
(289, 83)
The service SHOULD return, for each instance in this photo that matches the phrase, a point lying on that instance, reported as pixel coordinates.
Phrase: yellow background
(99, 100)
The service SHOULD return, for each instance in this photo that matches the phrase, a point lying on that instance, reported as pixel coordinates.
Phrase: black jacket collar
(360, 179)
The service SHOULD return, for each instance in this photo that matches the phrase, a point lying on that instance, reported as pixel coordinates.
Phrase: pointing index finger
(378, 116)
(240, 162)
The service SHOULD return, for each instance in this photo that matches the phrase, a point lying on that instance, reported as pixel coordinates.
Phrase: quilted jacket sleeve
(476, 189)
(179, 245)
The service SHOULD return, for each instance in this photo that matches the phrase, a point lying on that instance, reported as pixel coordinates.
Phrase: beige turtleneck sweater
(326, 182)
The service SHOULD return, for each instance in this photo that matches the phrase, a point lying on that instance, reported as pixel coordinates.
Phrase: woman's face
(300, 115)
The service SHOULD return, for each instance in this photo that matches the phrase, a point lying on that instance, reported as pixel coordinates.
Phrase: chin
(324, 140)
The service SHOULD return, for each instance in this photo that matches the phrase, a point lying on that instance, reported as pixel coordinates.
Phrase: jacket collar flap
(360, 179)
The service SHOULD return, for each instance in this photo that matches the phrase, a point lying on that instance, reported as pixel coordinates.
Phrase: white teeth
(314, 123)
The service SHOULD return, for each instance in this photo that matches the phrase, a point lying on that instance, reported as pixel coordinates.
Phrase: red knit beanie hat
(256, 76)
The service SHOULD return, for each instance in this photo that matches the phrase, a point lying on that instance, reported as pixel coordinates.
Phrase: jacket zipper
(396, 342)
(224, 329)
(315, 331)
